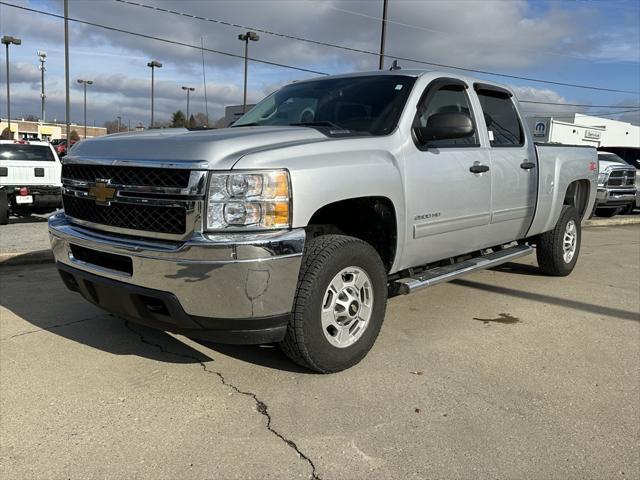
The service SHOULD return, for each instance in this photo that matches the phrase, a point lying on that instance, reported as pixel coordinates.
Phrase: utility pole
(153, 64)
(66, 71)
(189, 90)
(383, 34)
(85, 83)
(119, 123)
(6, 41)
(43, 56)
(245, 37)
(204, 84)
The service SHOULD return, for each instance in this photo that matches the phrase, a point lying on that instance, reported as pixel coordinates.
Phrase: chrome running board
(438, 275)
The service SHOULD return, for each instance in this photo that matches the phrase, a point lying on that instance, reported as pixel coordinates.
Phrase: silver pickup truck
(295, 224)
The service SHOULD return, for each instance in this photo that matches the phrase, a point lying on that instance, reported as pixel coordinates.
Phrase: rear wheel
(339, 306)
(4, 208)
(628, 210)
(558, 249)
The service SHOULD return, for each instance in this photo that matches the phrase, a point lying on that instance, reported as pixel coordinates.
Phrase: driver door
(448, 205)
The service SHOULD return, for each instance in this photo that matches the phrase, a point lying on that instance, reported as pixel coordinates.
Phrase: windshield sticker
(491, 135)
(399, 87)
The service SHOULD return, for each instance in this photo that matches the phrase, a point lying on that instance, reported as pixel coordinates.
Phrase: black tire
(628, 210)
(4, 208)
(607, 212)
(305, 342)
(549, 249)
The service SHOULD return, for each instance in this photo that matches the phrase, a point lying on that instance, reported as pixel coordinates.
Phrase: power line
(367, 52)
(579, 104)
(165, 40)
(573, 112)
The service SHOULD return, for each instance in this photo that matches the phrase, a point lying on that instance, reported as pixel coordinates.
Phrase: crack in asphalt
(52, 327)
(261, 406)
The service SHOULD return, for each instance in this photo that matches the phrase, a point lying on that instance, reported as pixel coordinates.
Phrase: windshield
(610, 157)
(364, 105)
(20, 151)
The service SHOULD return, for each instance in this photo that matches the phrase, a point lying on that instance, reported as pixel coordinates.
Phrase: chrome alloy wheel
(569, 241)
(347, 307)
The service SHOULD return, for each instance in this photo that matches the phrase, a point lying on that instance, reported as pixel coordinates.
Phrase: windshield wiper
(253, 124)
(323, 123)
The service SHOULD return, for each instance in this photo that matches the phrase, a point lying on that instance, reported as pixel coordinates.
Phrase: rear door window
(501, 118)
(32, 153)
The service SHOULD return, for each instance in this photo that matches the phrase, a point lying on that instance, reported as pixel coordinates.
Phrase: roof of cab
(412, 73)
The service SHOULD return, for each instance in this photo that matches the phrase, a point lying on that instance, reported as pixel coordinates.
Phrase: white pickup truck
(29, 178)
(294, 225)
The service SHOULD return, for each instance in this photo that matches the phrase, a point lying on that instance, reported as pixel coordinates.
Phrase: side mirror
(444, 126)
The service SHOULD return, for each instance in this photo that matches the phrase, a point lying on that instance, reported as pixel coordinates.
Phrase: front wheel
(558, 249)
(339, 306)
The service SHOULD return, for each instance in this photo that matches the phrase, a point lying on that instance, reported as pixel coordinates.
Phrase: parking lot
(502, 374)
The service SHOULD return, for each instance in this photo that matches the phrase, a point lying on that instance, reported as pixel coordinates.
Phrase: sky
(586, 42)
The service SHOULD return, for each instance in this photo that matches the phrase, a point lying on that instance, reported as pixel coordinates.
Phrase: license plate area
(24, 199)
(109, 261)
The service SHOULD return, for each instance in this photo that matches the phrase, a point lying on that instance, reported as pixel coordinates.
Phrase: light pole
(85, 83)
(153, 64)
(189, 90)
(8, 40)
(245, 37)
(43, 56)
(383, 34)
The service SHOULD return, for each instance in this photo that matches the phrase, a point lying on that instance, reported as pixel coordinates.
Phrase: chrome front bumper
(615, 196)
(222, 276)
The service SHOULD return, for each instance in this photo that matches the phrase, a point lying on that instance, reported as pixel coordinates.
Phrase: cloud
(543, 95)
(514, 36)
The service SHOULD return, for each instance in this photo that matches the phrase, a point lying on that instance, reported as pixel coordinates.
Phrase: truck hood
(603, 164)
(210, 149)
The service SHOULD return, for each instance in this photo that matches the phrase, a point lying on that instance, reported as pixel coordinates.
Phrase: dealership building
(579, 129)
(30, 130)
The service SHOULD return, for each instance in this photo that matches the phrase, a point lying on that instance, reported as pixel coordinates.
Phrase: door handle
(527, 165)
(478, 168)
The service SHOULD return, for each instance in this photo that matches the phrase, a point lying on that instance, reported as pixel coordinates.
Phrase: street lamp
(189, 90)
(119, 122)
(153, 64)
(43, 56)
(245, 37)
(8, 40)
(85, 83)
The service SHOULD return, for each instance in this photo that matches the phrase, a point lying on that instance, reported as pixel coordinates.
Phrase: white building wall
(584, 130)
(617, 134)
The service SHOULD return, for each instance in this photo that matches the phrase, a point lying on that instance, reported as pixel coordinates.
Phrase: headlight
(602, 178)
(245, 201)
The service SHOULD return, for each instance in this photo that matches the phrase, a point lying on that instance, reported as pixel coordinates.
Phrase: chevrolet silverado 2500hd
(295, 224)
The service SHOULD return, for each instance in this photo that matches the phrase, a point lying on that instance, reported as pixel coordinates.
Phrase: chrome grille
(123, 175)
(621, 178)
(165, 203)
(137, 217)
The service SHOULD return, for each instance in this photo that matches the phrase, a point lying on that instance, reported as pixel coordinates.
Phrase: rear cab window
(26, 152)
(500, 116)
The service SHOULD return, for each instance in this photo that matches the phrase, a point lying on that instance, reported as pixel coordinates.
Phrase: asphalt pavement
(502, 374)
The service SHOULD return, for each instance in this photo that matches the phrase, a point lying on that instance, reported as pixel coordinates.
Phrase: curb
(611, 222)
(25, 258)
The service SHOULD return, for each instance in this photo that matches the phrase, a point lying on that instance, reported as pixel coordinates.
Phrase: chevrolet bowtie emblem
(102, 193)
